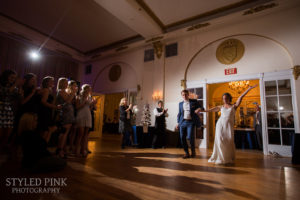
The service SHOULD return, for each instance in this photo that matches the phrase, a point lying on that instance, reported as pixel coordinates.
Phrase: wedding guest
(125, 127)
(84, 104)
(160, 114)
(258, 126)
(72, 87)
(36, 157)
(46, 106)
(66, 113)
(27, 104)
(9, 94)
(30, 101)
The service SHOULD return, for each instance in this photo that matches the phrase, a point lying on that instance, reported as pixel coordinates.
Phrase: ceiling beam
(133, 15)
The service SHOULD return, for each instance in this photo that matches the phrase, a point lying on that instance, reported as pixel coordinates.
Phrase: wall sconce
(157, 95)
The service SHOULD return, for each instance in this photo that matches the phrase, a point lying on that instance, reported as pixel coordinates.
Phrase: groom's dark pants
(187, 132)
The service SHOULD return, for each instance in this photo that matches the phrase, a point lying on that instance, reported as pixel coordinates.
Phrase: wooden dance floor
(113, 173)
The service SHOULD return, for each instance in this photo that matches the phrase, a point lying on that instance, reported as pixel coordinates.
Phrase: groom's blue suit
(187, 127)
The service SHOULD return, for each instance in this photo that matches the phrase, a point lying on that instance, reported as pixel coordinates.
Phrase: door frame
(202, 143)
(282, 74)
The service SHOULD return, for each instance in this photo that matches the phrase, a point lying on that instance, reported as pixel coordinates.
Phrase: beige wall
(297, 86)
(275, 47)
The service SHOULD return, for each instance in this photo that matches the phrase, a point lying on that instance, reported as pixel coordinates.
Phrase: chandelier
(238, 86)
(193, 95)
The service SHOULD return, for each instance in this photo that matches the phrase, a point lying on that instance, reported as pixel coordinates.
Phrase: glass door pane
(272, 103)
(284, 87)
(273, 120)
(287, 120)
(285, 103)
(270, 87)
(274, 136)
(279, 111)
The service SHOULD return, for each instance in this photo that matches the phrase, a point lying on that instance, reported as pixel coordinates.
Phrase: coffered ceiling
(89, 27)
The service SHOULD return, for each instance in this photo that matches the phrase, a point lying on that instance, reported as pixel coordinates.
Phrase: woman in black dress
(125, 122)
(30, 101)
(36, 156)
(46, 125)
(72, 87)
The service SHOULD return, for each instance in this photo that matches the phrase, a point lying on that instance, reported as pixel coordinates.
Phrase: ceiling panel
(184, 9)
(81, 24)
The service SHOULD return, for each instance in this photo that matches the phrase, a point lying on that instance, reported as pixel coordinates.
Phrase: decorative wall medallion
(115, 73)
(155, 39)
(230, 51)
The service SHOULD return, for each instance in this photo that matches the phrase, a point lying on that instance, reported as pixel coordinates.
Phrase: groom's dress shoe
(186, 156)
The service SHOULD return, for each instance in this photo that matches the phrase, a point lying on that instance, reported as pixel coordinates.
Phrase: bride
(224, 147)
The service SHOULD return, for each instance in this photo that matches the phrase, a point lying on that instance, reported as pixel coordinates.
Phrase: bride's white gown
(224, 147)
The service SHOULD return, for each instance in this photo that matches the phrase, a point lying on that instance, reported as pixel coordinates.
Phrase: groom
(187, 119)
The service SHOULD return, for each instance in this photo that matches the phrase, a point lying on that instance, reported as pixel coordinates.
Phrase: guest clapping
(46, 124)
(84, 103)
(66, 114)
(125, 122)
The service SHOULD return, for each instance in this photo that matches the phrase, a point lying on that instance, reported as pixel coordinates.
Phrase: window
(171, 50)
(149, 55)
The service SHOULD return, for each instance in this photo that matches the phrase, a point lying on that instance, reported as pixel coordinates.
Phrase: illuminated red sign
(230, 71)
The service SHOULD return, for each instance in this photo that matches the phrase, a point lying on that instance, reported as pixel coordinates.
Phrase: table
(141, 139)
(245, 138)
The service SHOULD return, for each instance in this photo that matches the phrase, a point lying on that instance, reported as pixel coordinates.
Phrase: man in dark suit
(187, 119)
(257, 126)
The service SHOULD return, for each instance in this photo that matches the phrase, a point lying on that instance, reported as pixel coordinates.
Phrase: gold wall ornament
(183, 84)
(158, 48)
(121, 48)
(138, 88)
(154, 39)
(260, 8)
(230, 51)
(296, 71)
(115, 73)
(194, 27)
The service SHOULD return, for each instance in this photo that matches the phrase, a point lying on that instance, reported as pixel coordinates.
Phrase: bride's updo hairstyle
(228, 95)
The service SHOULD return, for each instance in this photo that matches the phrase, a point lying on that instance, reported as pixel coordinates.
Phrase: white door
(279, 114)
(199, 92)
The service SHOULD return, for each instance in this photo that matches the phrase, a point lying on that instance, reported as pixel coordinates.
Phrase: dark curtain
(15, 55)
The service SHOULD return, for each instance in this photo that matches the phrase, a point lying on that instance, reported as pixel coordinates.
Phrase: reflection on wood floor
(113, 173)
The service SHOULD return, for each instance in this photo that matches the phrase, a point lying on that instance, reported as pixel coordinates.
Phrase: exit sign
(230, 71)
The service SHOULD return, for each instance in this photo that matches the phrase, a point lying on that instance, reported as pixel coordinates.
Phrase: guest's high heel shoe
(60, 153)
